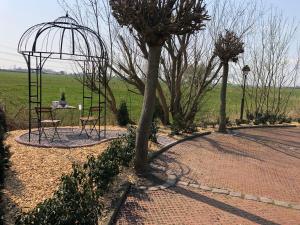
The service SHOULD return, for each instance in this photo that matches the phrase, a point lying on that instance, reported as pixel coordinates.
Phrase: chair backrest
(95, 110)
(44, 113)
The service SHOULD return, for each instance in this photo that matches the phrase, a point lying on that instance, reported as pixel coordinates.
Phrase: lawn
(14, 93)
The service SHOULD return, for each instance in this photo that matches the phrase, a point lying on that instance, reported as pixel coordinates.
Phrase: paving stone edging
(250, 197)
(262, 126)
(121, 198)
(171, 175)
(171, 179)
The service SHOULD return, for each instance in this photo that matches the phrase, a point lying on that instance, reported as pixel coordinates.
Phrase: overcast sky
(18, 15)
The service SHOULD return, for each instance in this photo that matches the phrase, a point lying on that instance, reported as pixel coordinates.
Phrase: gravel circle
(69, 138)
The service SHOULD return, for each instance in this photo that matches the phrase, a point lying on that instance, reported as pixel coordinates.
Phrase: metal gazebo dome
(64, 39)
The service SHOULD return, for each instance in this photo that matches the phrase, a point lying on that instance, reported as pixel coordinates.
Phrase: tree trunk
(147, 110)
(222, 123)
(163, 103)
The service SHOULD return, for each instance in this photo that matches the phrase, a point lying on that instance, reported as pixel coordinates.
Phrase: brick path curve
(263, 162)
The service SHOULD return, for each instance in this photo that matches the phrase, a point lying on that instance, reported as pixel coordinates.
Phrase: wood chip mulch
(35, 172)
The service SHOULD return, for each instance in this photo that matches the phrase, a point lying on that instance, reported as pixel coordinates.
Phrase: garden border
(17, 139)
(111, 216)
(225, 191)
(263, 126)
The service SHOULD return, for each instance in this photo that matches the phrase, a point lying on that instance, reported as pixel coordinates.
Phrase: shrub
(250, 116)
(4, 151)
(77, 200)
(228, 122)
(4, 159)
(272, 118)
(73, 203)
(153, 132)
(123, 116)
(256, 122)
(179, 126)
(239, 122)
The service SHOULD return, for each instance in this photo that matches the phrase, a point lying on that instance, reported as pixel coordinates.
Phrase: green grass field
(14, 94)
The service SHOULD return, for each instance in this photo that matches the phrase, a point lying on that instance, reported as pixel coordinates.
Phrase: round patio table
(62, 117)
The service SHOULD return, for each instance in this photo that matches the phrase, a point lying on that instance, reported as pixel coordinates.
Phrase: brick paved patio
(193, 207)
(262, 162)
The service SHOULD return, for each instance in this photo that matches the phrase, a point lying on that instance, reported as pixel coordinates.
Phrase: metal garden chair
(91, 120)
(46, 119)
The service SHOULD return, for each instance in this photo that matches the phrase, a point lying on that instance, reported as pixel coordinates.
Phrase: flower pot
(62, 103)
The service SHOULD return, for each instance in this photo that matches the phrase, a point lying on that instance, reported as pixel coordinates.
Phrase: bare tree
(188, 74)
(272, 68)
(155, 22)
(130, 66)
(227, 48)
(190, 67)
(187, 60)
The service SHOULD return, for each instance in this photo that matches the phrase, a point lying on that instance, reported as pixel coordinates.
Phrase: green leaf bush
(123, 116)
(180, 126)
(77, 200)
(271, 118)
(4, 159)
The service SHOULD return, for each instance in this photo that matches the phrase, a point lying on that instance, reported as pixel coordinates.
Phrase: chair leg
(43, 131)
(55, 133)
(95, 128)
(83, 128)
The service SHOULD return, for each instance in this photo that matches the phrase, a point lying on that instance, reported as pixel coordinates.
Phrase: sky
(18, 15)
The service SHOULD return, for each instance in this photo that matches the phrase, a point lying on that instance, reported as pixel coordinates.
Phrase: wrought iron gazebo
(64, 39)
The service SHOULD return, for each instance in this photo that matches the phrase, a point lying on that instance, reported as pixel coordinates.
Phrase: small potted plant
(62, 101)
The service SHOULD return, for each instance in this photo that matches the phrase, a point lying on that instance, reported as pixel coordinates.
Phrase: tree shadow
(223, 148)
(11, 209)
(13, 186)
(271, 143)
(134, 209)
(278, 140)
(168, 160)
(223, 206)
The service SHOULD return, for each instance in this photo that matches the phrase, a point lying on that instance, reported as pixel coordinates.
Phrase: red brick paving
(193, 207)
(269, 167)
(241, 164)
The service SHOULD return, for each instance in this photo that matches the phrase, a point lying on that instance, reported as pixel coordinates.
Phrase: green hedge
(123, 115)
(4, 159)
(77, 200)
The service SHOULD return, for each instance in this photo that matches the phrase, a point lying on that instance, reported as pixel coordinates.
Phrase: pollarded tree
(227, 48)
(155, 21)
